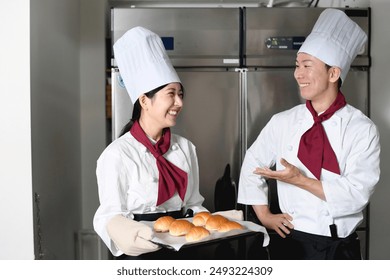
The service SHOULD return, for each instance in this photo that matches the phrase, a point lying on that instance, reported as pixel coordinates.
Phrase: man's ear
(334, 74)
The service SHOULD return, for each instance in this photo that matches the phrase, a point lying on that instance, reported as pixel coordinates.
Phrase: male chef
(325, 152)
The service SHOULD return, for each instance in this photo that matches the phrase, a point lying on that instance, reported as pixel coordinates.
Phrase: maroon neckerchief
(315, 151)
(171, 178)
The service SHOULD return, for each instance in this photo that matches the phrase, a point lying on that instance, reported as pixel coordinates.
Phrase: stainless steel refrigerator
(236, 65)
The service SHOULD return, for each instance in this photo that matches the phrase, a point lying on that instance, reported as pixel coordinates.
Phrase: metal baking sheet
(178, 242)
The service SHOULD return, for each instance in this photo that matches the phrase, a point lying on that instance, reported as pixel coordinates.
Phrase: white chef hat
(143, 62)
(335, 40)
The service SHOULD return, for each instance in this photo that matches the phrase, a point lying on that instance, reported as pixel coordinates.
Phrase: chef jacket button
(289, 147)
(153, 208)
(152, 179)
(174, 147)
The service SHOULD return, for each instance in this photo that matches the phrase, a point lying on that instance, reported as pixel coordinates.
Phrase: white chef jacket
(355, 141)
(127, 177)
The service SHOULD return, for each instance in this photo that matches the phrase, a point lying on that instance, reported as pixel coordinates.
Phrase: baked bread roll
(201, 218)
(215, 221)
(197, 233)
(180, 227)
(229, 225)
(162, 224)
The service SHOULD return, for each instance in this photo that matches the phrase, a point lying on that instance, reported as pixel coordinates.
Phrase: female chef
(326, 152)
(148, 172)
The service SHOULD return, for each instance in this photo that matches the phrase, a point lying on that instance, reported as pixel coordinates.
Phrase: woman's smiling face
(165, 106)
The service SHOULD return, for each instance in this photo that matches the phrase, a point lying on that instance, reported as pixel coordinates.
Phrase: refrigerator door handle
(242, 39)
(243, 110)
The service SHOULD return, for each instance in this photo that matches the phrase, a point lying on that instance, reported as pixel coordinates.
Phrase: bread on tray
(162, 224)
(201, 218)
(203, 223)
(215, 221)
(197, 233)
(229, 225)
(180, 227)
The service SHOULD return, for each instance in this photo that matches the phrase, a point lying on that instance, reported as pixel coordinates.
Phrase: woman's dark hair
(137, 109)
(339, 82)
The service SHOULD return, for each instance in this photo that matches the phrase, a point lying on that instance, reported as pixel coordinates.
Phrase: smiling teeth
(303, 85)
(173, 113)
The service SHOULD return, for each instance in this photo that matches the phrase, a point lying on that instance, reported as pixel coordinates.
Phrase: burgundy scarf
(171, 178)
(315, 151)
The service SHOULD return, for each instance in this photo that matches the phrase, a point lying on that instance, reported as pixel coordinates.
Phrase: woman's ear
(334, 74)
(143, 101)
